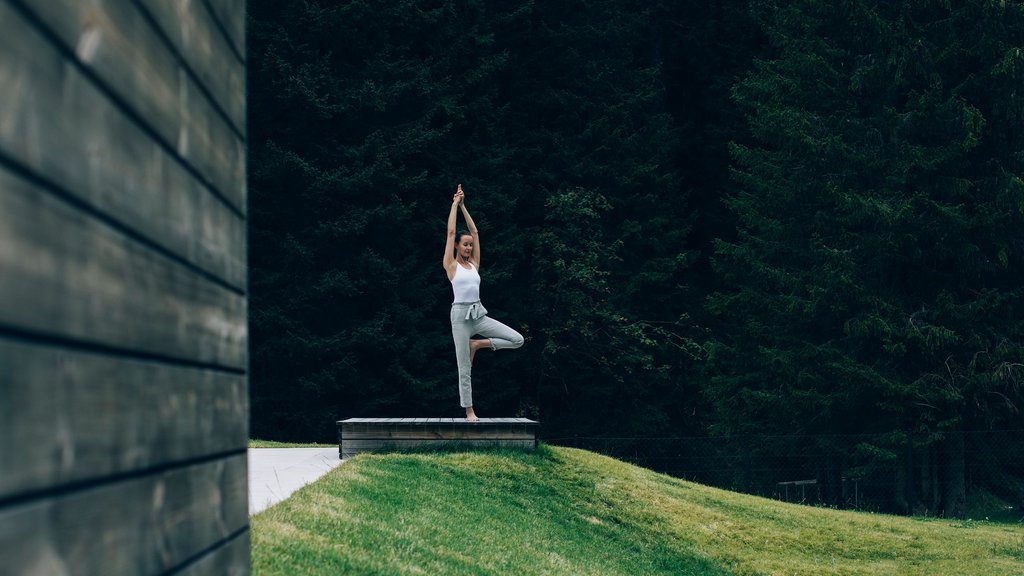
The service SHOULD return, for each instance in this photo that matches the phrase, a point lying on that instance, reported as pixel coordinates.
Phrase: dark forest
(720, 219)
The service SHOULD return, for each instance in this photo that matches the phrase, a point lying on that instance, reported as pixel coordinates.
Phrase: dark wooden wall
(123, 335)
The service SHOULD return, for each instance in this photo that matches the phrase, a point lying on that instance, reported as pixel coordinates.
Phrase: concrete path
(274, 473)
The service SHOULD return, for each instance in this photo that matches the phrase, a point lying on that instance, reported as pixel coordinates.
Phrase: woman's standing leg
(462, 330)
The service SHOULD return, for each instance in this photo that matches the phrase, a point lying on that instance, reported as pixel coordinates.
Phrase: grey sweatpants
(469, 318)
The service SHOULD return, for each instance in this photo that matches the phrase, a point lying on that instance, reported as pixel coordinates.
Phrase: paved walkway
(274, 473)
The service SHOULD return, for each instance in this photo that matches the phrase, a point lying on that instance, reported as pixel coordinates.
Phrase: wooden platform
(357, 435)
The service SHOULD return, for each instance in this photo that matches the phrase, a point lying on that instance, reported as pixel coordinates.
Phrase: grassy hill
(565, 511)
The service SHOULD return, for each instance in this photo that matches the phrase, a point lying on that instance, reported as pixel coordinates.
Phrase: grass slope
(256, 443)
(565, 511)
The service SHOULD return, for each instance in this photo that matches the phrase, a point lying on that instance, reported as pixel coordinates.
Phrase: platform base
(357, 435)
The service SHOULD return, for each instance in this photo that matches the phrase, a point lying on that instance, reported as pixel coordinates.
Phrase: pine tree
(609, 256)
(870, 283)
(364, 117)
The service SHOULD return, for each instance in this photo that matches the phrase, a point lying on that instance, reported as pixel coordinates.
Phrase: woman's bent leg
(500, 335)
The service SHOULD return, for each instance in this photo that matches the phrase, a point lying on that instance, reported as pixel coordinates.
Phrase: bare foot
(470, 415)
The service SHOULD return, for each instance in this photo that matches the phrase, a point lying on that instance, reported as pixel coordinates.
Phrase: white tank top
(466, 284)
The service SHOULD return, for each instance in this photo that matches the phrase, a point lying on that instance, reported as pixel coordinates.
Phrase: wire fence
(948, 474)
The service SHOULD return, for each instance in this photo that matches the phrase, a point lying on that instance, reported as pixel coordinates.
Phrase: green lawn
(566, 511)
(276, 444)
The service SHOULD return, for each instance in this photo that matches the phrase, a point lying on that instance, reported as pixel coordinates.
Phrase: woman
(469, 317)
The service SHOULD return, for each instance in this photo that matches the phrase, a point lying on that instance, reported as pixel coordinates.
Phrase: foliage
(731, 217)
(355, 148)
(868, 282)
(602, 354)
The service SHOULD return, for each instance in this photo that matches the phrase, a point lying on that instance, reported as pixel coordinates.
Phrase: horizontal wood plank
(232, 21)
(123, 330)
(68, 275)
(356, 435)
(61, 127)
(114, 40)
(192, 29)
(458, 421)
(355, 447)
(144, 525)
(83, 416)
(444, 434)
(361, 445)
(231, 559)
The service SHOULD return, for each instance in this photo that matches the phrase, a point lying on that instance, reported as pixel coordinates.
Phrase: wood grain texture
(436, 434)
(58, 125)
(68, 416)
(144, 525)
(123, 330)
(350, 448)
(114, 40)
(447, 421)
(436, 430)
(231, 559)
(232, 21)
(192, 29)
(356, 435)
(68, 275)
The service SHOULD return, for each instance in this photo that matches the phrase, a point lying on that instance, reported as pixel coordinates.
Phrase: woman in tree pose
(469, 317)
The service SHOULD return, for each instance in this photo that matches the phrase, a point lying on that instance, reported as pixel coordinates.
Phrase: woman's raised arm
(449, 245)
(472, 229)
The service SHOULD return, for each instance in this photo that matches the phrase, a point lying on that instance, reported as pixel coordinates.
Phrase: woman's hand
(459, 196)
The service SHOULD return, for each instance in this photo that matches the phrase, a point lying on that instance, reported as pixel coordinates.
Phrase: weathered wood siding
(356, 435)
(123, 335)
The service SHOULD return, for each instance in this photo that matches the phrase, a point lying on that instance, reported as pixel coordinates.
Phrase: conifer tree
(876, 272)
(610, 251)
(365, 115)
